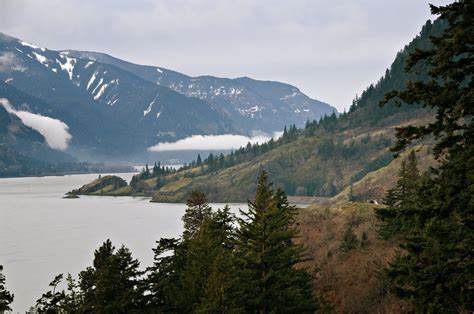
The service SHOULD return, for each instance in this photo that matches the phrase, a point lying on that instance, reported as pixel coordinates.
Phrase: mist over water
(42, 235)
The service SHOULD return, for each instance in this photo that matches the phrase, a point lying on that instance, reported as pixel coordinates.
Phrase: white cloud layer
(212, 142)
(55, 132)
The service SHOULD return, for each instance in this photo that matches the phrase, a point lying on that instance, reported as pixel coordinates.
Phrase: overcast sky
(330, 49)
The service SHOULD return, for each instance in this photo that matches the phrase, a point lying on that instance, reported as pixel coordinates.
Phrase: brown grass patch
(353, 282)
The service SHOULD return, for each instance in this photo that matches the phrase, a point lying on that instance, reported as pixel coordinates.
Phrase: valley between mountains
(325, 158)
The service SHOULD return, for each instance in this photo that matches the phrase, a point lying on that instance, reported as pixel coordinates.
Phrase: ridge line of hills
(323, 159)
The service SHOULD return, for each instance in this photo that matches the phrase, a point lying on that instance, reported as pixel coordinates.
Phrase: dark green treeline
(432, 215)
(221, 264)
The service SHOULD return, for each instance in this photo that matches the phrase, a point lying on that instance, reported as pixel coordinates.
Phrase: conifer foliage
(435, 223)
(266, 256)
(6, 298)
(220, 265)
(400, 200)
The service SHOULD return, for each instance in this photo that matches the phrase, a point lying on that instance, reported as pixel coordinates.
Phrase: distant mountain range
(116, 110)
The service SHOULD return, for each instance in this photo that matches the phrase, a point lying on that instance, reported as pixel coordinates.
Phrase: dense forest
(432, 214)
(253, 263)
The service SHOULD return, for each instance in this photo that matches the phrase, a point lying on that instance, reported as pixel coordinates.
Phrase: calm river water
(42, 235)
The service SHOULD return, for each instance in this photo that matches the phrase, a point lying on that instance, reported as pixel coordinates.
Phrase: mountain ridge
(220, 91)
(323, 159)
(115, 111)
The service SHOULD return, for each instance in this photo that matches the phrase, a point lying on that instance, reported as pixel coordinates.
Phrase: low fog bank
(54, 131)
(213, 142)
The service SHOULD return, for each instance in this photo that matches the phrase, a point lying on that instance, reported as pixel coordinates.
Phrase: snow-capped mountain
(264, 105)
(108, 110)
(113, 107)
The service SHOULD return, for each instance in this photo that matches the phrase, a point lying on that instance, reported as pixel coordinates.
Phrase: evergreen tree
(197, 210)
(156, 170)
(6, 298)
(211, 163)
(147, 171)
(220, 283)
(266, 256)
(72, 299)
(199, 160)
(194, 274)
(211, 244)
(349, 241)
(351, 196)
(406, 188)
(52, 301)
(436, 270)
(164, 278)
(111, 285)
(400, 200)
(221, 161)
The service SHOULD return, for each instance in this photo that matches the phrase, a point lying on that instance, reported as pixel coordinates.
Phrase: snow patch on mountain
(147, 111)
(295, 93)
(41, 59)
(88, 64)
(103, 87)
(98, 85)
(101, 91)
(159, 70)
(92, 79)
(250, 112)
(68, 66)
(234, 91)
(219, 90)
(31, 46)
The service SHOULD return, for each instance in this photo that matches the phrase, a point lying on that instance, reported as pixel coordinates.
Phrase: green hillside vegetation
(411, 254)
(321, 160)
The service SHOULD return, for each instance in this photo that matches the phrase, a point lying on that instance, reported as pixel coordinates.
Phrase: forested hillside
(412, 253)
(322, 159)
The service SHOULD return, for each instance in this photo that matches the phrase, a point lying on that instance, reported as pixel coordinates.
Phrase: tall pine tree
(111, 285)
(436, 272)
(266, 256)
(197, 210)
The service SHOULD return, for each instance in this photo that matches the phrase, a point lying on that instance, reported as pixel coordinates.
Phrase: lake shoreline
(42, 234)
